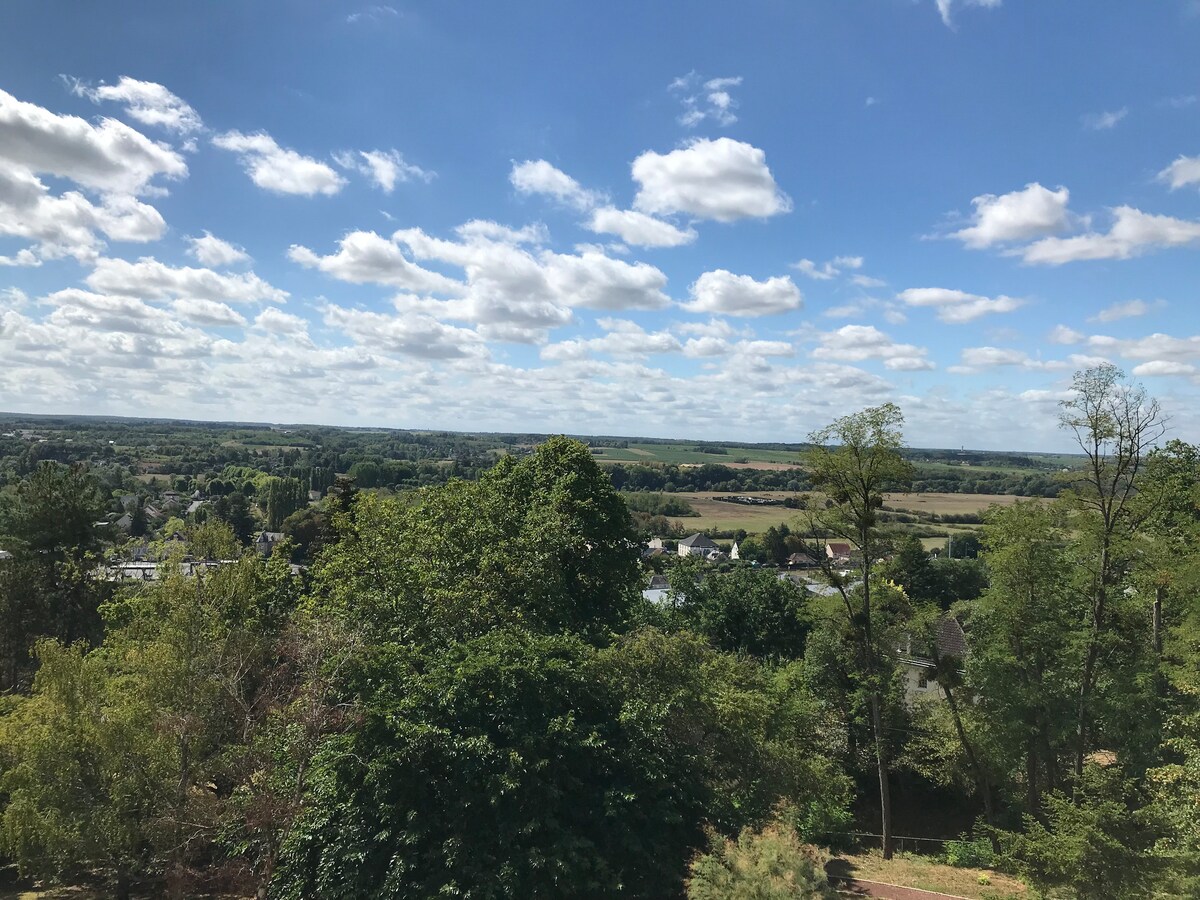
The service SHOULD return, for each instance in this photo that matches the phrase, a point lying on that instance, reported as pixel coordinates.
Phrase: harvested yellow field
(949, 504)
(719, 515)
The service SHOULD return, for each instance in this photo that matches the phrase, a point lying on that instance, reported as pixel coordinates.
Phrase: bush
(771, 864)
(968, 854)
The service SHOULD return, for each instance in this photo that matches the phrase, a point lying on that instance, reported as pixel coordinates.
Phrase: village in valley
(155, 519)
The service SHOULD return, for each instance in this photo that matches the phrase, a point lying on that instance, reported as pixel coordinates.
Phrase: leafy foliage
(1095, 845)
(771, 864)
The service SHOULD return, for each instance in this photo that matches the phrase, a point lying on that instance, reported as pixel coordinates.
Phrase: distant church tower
(734, 554)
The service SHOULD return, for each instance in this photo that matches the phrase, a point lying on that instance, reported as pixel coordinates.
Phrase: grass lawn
(921, 872)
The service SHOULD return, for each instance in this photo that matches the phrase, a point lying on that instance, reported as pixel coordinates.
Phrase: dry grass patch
(948, 504)
(921, 872)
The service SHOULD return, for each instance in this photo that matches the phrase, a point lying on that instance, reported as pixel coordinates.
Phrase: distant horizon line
(6, 415)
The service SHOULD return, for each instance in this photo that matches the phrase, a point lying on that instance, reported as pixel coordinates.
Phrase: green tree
(139, 523)
(748, 611)
(1023, 668)
(1096, 845)
(52, 513)
(853, 461)
(280, 498)
(306, 527)
(234, 509)
(121, 760)
(80, 769)
(545, 542)
(912, 569)
(48, 589)
(527, 765)
(1115, 424)
(213, 539)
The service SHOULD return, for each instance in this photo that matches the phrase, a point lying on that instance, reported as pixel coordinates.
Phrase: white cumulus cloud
(1031, 212)
(69, 224)
(152, 280)
(1133, 233)
(364, 257)
(1126, 310)
(279, 169)
(207, 312)
(1104, 121)
(857, 343)
(536, 176)
(1183, 172)
(1162, 367)
(720, 179)
(210, 250)
(945, 8)
(957, 307)
(723, 293)
(638, 228)
(110, 157)
(706, 100)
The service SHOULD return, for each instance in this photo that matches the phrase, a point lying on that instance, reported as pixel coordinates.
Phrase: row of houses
(916, 663)
(839, 553)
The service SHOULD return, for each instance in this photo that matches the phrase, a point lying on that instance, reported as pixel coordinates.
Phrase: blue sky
(626, 218)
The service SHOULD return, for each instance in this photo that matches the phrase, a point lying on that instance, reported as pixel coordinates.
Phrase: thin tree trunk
(885, 790)
(1087, 683)
(1089, 662)
(1032, 797)
(1156, 619)
(981, 779)
(881, 754)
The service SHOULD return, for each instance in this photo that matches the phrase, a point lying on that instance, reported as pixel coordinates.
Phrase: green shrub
(968, 854)
(771, 864)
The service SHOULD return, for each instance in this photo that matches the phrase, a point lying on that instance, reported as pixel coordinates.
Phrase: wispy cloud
(373, 14)
(706, 100)
(946, 7)
(1103, 121)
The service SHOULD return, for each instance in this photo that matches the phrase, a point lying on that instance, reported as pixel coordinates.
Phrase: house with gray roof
(697, 545)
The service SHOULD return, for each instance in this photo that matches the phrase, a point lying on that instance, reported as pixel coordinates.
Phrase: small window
(923, 681)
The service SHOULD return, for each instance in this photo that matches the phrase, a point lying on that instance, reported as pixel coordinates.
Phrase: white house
(838, 551)
(920, 681)
(697, 545)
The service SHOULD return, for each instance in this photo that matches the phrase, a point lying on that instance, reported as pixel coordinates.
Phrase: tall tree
(1023, 668)
(745, 611)
(545, 541)
(48, 589)
(1115, 423)
(853, 461)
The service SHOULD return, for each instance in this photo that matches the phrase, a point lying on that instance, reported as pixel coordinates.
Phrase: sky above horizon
(624, 218)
